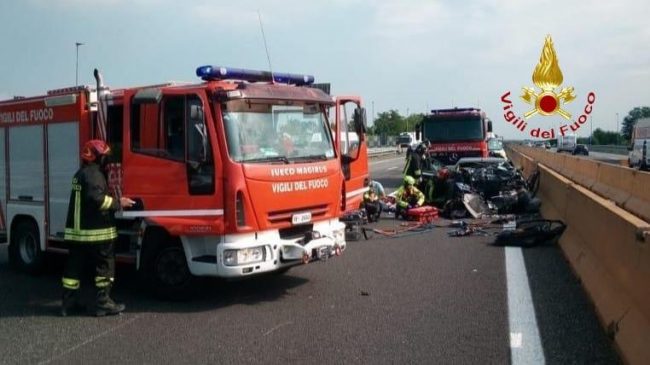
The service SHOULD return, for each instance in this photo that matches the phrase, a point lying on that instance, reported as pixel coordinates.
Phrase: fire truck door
(170, 165)
(351, 142)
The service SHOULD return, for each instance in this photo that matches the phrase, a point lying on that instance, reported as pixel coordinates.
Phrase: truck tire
(25, 252)
(166, 273)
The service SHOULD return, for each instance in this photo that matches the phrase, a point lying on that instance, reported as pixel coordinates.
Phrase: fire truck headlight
(244, 256)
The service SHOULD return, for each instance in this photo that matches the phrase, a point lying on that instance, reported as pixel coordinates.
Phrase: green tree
(411, 121)
(390, 123)
(630, 120)
(601, 137)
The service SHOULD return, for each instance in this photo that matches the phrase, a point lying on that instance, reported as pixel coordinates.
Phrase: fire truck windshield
(451, 130)
(276, 131)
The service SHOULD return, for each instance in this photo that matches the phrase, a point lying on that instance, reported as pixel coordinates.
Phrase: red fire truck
(234, 176)
(456, 133)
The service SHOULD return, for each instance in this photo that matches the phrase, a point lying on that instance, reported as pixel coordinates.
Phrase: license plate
(300, 218)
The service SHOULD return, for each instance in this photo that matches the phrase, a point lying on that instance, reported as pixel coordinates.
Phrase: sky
(408, 55)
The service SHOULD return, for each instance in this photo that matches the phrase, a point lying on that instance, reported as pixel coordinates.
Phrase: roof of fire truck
(234, 82)
(456, 113)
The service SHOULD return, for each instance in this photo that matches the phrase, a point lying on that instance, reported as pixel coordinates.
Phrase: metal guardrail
(381, 151)
(614, 149)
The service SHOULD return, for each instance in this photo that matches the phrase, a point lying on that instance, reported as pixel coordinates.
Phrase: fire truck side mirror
(360, 121)
(417, 131)
(489, 126)
(196, 113)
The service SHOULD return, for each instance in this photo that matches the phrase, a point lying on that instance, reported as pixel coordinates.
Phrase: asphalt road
(422, 298)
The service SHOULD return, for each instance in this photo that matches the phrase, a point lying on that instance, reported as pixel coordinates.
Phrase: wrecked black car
(480, 187)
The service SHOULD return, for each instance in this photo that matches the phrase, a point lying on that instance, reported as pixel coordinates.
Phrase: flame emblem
(548, 76)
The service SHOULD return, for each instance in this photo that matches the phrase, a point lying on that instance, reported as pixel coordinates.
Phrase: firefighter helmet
(409, 180)
(421, 148)
(93, 149)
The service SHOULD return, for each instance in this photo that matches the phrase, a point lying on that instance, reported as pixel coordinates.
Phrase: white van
(640, 137)
(567, 143)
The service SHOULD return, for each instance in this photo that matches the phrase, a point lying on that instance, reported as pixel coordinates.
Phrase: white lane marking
(392, 168)
(516, 340)
(276, 327)
(91, 339)
(521, 312)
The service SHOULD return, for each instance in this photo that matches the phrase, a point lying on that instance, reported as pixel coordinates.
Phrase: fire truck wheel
(167, 273)
(25, 252)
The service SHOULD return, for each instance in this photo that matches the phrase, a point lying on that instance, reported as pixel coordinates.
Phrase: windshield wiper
(269, 159)
(321, 157)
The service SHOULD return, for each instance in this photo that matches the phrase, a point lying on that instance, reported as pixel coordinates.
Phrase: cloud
(87, 3)
(243, 14)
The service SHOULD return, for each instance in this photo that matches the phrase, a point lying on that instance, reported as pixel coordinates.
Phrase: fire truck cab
(456, 133)
(234, 176)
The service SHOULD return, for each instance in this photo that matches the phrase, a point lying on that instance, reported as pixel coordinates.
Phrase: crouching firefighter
(372, 201)
(407, 197)
(90, 232)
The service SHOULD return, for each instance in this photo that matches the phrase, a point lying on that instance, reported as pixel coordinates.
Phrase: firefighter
(414, 162)
(372, 201)
(90, 232)
(407, 197)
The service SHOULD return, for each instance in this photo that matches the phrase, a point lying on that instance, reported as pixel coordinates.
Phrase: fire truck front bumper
(267, 252)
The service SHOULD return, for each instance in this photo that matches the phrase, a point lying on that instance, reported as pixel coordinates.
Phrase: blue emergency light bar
(227, 73)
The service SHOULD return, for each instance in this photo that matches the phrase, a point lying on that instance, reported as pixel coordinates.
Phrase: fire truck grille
(280, 216)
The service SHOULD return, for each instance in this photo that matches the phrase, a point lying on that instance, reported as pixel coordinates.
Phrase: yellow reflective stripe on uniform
(70, 283)
(108, 201)
(90, 235)
(102, 281)
(91, 232)
(77, 209)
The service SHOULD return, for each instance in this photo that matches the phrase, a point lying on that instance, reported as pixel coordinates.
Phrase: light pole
(407, 119)
(76, 70)
(617, 129)
(591, 132)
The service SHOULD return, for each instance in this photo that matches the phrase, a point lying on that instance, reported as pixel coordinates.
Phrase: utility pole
(76, 69)
(617, 130)
(591, 126)
(407, 119)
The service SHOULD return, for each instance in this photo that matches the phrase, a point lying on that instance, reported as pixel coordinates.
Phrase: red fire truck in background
(456, 133)
(235, 176)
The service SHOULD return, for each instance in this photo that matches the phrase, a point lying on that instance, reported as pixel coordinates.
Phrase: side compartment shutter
(3, 181)
(63, 159)
(26, 163)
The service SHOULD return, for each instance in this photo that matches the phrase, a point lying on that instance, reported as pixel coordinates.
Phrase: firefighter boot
(71, 302)
(105, 305)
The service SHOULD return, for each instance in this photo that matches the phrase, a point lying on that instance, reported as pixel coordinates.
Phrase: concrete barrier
(639, 201)
(607, 247)
(610, 184)
(629, 188)
(586, 173)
